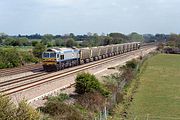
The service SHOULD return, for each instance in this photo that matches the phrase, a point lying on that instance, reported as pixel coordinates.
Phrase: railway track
(23, 69)
(20, 84)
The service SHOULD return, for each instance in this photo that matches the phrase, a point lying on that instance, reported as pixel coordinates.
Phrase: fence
(103, 115)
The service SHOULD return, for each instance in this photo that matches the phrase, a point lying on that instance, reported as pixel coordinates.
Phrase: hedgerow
(11, 57)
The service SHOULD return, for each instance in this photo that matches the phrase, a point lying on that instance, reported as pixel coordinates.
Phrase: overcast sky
(82, 16)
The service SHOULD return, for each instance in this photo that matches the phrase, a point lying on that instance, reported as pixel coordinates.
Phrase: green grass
(20, 48)
(158, 95)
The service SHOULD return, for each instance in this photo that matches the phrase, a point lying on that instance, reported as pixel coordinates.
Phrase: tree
(47, 38)
(119, 38)
(24, 41)
(71, 35)
(38, 50)
(71, 42)
(149, 38)
(2, 37)
(1, 40)
(161, 37)
(34, 43)
(9, 41)
(136, 37)
(174, 41)
(95, 40)
(59, 42)
(107, 40)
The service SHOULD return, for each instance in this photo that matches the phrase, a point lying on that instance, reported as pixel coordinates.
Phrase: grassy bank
(158, 95)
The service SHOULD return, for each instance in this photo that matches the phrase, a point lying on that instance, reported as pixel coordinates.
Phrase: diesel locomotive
(55, 59)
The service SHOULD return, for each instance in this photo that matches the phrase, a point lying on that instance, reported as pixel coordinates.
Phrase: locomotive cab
(50, 59)
(55, 59)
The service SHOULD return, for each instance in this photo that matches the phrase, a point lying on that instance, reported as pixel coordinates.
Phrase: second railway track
(23, 69)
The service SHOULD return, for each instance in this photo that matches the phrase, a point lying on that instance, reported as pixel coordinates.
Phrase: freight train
(55, 59)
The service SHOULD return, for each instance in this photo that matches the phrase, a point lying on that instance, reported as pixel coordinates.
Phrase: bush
(86, 82)
(8, 111)
(93, 101)
(34, 43)
(127, 74)
(9, 58)
(131, 64)
(38, 50)
(61, 97)
(7, 108)
(27, 57)
(59, 110)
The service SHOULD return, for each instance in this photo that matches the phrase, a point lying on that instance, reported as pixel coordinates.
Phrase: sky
(83, 16)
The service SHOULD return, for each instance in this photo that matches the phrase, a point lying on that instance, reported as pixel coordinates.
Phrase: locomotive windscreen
(46, 55)
(49, 55)
(52, 55)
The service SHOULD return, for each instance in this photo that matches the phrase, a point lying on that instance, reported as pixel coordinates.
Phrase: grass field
(20, 48)
(158, 95)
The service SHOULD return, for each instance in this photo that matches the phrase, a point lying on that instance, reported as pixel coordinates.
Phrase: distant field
(158, 95)
(23, 48)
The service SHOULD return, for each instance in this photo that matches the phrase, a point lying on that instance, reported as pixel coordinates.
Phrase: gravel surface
(99, 71)
(7, 78)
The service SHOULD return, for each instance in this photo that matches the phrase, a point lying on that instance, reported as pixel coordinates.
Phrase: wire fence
(152, 117)
(103, 115)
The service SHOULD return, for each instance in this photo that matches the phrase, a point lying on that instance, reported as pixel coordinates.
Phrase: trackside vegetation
(158, 94)
(86, 83)
(85, 105)
(127, 87)
(9, 111)
(12, 57)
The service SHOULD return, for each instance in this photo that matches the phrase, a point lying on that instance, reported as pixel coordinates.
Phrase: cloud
(81, 16)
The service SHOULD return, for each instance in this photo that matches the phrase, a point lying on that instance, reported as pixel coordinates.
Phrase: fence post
(147, 118)
(105, 113)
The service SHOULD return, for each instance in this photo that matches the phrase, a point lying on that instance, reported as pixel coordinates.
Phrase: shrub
(127, 74)
(26, 112)
(86, 82)
(7, 108)
(61, 97)
(38, 50)
(93, 101)
(59, 110)
(131, 64)
(27, 57)
(9, 58)
(34, 43)
(8, 111)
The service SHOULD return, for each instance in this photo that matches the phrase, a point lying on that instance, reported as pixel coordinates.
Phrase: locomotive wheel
(103, 56)
(82, 62)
